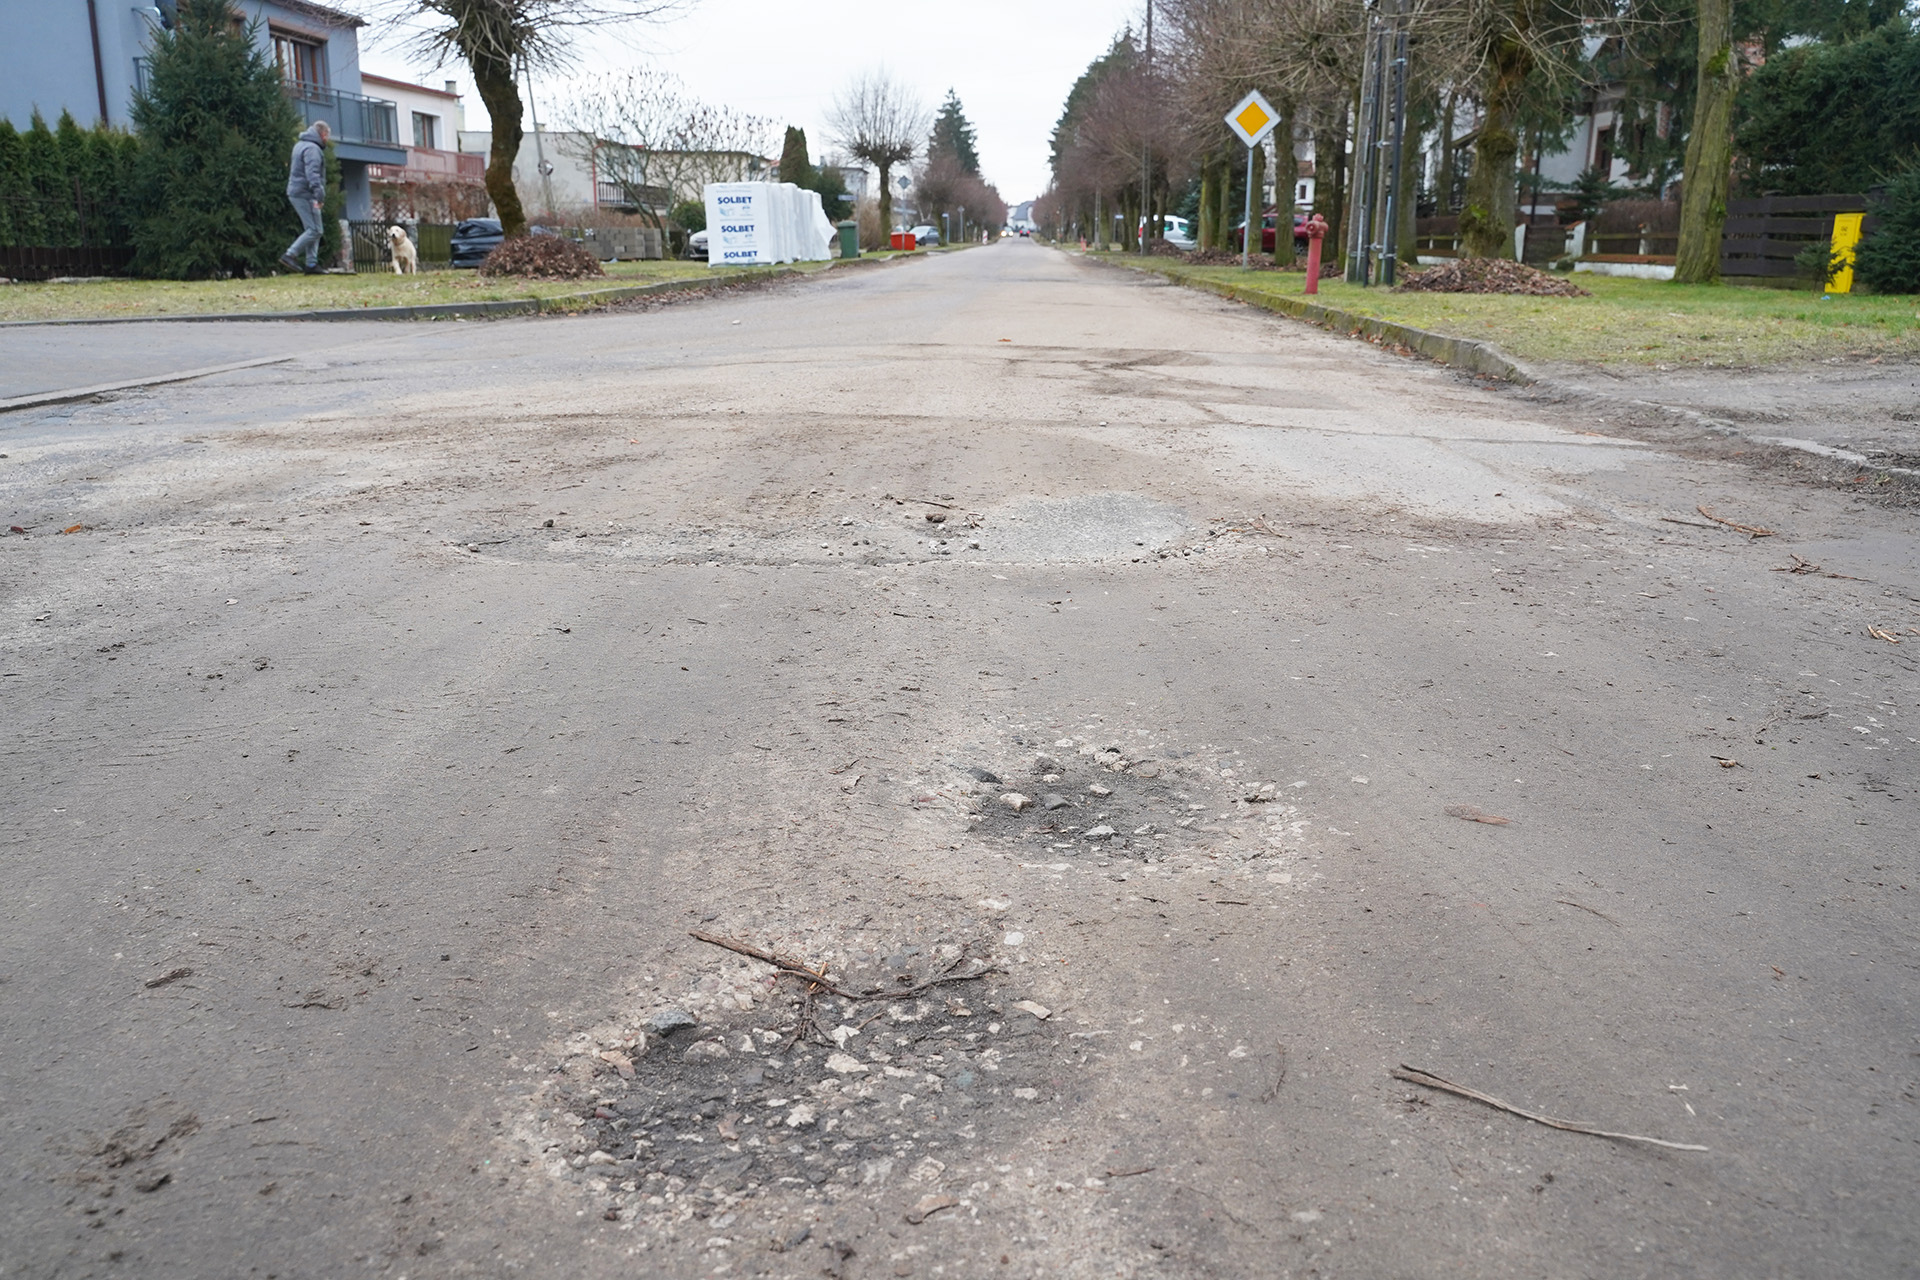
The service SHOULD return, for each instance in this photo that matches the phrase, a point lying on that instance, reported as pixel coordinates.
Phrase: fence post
(346, 246)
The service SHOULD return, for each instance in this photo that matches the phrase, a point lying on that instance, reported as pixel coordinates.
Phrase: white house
(438, 182)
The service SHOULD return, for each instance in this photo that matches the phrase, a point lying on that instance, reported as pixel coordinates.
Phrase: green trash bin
(849, 239)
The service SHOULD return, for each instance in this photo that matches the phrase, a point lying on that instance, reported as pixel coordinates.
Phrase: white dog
(406, 259)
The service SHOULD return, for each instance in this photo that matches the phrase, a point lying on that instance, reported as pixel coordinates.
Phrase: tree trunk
(1407, 198)
(1443, 181)
(493, 80)
(1486, 222)
(1286, 175)
(1335, 170)
(886, 201)
(1209, 198)
(1223, 208)
(1254, 237)
(1703, 198)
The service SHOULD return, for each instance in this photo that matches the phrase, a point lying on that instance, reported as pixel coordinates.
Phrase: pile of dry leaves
(1488, 275)
(541, 258)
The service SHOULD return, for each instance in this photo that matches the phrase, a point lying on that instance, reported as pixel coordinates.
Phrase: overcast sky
(1011, 62)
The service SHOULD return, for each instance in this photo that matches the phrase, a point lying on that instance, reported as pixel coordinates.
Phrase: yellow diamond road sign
(1253, 118)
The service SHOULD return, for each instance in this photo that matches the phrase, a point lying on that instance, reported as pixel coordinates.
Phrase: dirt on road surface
(979, 768)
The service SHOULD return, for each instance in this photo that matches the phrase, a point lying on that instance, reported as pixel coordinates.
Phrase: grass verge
(1646, 323)
(109, 299)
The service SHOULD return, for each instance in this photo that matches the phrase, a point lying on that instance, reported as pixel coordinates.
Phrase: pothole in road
(1091, 527)
(751, 1106)
(1092, 799)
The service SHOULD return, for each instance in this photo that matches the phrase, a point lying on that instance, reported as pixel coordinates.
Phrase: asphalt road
(356, 816)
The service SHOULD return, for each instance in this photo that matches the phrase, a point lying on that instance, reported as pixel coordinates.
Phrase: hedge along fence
(64, 199)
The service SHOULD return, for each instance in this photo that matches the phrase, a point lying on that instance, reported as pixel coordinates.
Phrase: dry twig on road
(1751, 530)
(818, 978)
(1414, 1075)
(1569, 902)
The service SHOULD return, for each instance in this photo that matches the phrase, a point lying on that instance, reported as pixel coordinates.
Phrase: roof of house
(320, 12)
(407, 84)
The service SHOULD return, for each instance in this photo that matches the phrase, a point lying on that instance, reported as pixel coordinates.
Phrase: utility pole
(1146, 151)
(1390, 241)
(1379, 130)
(539, 149)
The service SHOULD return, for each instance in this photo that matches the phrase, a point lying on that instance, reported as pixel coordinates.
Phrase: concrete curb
(40, 398)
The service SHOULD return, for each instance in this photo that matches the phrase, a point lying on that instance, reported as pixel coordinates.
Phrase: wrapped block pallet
(764, 222)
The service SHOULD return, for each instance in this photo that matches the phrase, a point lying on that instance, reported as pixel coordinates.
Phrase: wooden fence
(1762, 236)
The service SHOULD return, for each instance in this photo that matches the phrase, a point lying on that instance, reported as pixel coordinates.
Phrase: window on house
(1603, 152)
(301, 61)
(426, 131)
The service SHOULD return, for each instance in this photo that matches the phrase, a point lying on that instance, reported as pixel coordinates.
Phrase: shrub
(689, 215)
(210, 176)
(1888, 261)
(541, 258)
(1823, 118)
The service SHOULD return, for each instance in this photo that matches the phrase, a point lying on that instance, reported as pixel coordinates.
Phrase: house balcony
(428, 165)
(364, 129)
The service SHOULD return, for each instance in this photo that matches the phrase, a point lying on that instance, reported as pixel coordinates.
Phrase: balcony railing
(352, 117)
(426, 164)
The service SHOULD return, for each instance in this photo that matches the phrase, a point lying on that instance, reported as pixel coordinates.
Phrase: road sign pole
(1246, 232)
(1251, 120)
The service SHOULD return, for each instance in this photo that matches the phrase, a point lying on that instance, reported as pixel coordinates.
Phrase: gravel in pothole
(1076, 799)
(671, 1116)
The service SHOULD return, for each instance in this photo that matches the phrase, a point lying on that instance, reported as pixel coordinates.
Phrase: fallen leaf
(1470, 814)
(73, 528)
(621, 1062)
(171, 975)
(1039, 1011)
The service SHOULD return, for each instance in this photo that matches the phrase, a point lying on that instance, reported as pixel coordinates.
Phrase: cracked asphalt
(386, 719)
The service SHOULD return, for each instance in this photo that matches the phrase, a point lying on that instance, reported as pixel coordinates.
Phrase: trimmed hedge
(64, 187)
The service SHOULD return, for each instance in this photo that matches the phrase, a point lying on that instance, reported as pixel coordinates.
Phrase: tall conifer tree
(215, 131)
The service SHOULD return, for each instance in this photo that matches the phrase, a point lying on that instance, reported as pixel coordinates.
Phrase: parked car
(697, 245)
(1177, 230)
(925, 235)
(474, 239)
(1268, 222)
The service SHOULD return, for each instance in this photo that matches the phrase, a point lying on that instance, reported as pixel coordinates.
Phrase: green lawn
(110, 298)
(1630, 322)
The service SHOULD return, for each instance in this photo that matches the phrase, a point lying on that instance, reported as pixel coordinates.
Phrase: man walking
(306, 189)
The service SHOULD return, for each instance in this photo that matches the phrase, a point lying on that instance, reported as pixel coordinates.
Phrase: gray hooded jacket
(307, 174)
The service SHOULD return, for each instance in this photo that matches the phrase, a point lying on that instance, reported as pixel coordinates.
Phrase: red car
(1268, 222)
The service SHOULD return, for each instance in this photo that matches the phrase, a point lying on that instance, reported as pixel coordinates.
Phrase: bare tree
(659, 144)
(878, 120)
(498, 40)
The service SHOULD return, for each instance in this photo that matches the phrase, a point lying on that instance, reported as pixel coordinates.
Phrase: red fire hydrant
(1316, 232)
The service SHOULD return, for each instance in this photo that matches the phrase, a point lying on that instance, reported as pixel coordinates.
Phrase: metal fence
(46, 239)
(372, 244)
